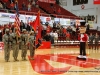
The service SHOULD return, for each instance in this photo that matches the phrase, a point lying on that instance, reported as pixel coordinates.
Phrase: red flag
(31, 23)
(36, 22)
(37, 28)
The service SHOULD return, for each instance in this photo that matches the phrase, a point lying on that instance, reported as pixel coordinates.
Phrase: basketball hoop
(82, 6)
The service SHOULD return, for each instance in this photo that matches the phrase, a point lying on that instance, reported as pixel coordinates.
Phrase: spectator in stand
(59, 11)
(52, 37)
(67, 36)
(88, 27)
(27, 27)
(64, 30)
(33, 3)
(57, 2)
(51, 5)
(46, 23)
(29, 7)
(55, 36)
(74, 33)
(69, 29)
(48, 28)
(15, 4)
(12, 27)
(29, 0)
(54, 10)
(1, 6)
(37, 4)
(47, 37)
(43, 32)
(58, 26)
(10, 24)
(12, 6)
(12, 1)
(4, 5)
(23, 6)
(22, 26)
(54, 26)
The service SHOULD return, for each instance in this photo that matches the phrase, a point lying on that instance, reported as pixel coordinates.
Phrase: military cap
(23, 30)
(32, 32)
(7, 29)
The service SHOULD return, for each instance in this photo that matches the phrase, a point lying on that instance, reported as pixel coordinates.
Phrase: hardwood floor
(25, 68)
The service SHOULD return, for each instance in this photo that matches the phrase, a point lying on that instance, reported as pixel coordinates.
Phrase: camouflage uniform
(24, 42)
(15, 45)
(32, 40)
(7, 45)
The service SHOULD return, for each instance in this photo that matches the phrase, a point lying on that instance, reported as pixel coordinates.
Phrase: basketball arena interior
(49, 37)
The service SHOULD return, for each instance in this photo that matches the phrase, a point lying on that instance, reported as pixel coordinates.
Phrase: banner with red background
(96, 1)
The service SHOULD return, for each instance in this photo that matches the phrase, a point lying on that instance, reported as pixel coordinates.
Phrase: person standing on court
(7, 45)
(24, 43)
(96, 41)
(91, 38)
(83, 38)
(32, 40)
(15, 44)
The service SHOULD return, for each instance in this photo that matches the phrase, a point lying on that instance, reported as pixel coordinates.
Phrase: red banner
(96, 1)
(48, 1)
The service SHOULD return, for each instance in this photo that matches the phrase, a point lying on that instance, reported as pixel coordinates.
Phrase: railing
(41, 14)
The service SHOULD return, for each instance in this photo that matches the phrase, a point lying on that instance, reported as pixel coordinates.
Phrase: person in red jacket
(83, 38)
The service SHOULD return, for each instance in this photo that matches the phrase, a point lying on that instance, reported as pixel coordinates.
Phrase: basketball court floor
(54, 61)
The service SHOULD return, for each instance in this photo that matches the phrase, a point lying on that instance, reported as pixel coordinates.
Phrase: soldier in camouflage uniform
(24, 42)
(32, 40)
(7, 45)
(15, 44)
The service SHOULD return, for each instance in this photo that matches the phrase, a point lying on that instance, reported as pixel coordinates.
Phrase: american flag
(17, 21)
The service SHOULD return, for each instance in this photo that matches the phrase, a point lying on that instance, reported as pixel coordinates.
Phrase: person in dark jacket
(91, 38)
(47, 37)
(96, 41)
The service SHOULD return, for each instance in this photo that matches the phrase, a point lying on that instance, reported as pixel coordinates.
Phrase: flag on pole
(37, 28)
(17, 21)
(36, 23)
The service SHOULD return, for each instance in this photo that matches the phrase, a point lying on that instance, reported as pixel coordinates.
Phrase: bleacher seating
(47, 7)
(32, 12)
(54, 10)
(34, 9)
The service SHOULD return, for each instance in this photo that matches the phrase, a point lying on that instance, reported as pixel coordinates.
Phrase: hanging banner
(96, 1)
(91, 23)
(65, 21)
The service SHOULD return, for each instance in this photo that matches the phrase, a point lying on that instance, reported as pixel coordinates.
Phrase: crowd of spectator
(25, 5)
(55, 33)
